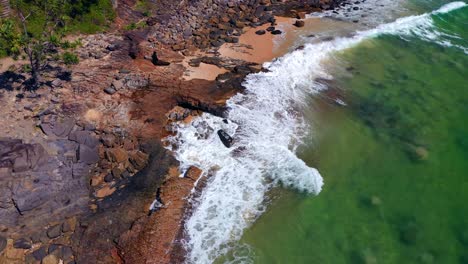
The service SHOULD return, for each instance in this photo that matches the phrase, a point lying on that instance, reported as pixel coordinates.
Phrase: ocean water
(353, 150)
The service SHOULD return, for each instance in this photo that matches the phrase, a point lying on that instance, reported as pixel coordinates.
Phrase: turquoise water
(394, 160)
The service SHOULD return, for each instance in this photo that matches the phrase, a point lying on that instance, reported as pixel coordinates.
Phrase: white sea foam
(267, 126)
(369, 13)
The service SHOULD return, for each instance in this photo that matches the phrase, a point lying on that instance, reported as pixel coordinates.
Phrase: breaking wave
(268, 127)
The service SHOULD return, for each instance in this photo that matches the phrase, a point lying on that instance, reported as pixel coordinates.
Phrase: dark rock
(270, 29)
(409, 233)
(66, 252)
(111, 47)
(47, 129)
(3, 243)
(40, 253)
(276, 32)
(52, 248)
(217, 43)
(117, 172)
(260, 32)
(232, 40)
(54, 231)
(22, 243)
(108, 178)
(21, 157)
(299, 23)
(242, 69)
(108, 140)
(110, 90)
(87, 155)
(84, 137)
(157, 62)
(62, 128)
(225, 138)
(39, 237)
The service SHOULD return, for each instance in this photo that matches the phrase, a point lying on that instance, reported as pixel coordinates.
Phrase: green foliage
(133, 26)
(70, 58)
(70, 45)
(75, 16)
(10, 39)
(26, 68)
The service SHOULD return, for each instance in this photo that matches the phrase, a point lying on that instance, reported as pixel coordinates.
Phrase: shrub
(70, 58)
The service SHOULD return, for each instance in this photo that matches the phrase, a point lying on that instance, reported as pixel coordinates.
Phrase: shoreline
(118, 105)
(249, 44)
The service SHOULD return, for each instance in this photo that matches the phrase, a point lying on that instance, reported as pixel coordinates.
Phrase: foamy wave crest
(267, 126)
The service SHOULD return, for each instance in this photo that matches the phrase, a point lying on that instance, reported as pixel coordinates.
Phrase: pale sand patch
(204, 71)
(7, 62)
(264, 48)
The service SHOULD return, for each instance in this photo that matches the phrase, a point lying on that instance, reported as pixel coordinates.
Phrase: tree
(39, 48)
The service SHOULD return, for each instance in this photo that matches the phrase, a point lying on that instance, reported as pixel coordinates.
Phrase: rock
(409, 233)
(84, 137)
(225, 138)
(270, 29)
(117, 172)
(217, 43)
(118, 155)
(56, 83)
(193, 173)
(54, 231)
(108, 140)
(22, 243)
(110, 90)
(3, 243)
(50, 259)
(111, 47)
(138, 159)
(117, 84)
(375, 200)
(108, 178)
(69, 225)
(421, 153)
(301, 15)
(40, 253)
(299, 23)
(242, 69)
(87, 155)
(105, 191)
(66, 253)
(156, 61)
(276, 32)
(39, 237)
(52, 248)
(63, 127)
(260, 32)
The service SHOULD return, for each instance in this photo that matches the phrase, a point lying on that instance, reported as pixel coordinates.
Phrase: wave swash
(268, 127)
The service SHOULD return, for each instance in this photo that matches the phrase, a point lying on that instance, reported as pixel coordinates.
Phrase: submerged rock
(409, 233)
(299, 23)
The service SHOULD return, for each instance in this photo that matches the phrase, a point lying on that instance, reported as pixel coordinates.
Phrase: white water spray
(268, 128)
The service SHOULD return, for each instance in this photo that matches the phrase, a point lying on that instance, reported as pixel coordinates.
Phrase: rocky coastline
(81, 158)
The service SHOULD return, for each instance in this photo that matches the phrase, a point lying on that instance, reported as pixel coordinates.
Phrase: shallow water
(394, 160)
